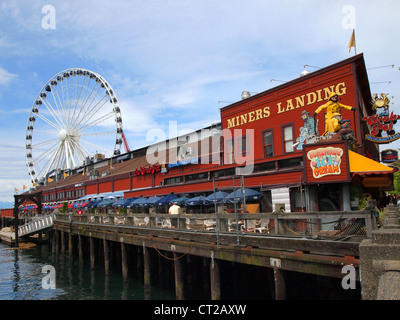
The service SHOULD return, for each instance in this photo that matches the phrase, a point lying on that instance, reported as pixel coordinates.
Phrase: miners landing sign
(326, 163)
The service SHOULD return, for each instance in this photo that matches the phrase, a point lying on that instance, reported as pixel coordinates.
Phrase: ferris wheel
(75, 116)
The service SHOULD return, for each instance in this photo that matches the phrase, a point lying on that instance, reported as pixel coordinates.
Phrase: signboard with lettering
(381, 123)
(326, 163)
(389, 156)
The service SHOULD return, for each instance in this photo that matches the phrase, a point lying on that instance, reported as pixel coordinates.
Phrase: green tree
(396, 183)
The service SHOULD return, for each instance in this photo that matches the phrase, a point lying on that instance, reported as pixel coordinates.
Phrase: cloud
(6, 77)
(174, 60)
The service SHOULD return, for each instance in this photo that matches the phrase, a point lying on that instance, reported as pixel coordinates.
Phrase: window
(223, 173)
(198, 176)
(229, 152)
(268, 144)
(290, 163)
(242, 146)
(266, 166)
(173, 180)
(288, 138)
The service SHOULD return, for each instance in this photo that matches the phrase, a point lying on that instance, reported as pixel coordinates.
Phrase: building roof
(361, 72)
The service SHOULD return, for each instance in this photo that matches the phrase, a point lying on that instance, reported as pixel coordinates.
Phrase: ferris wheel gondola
(71, 120)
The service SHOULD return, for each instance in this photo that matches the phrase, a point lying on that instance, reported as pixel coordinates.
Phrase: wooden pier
(307, 249)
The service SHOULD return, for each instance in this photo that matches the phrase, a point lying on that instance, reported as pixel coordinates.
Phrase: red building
(274, 139)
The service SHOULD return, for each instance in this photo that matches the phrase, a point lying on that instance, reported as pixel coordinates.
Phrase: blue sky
(174, 60)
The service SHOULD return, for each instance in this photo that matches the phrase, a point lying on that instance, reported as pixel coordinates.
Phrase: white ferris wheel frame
(71, 118)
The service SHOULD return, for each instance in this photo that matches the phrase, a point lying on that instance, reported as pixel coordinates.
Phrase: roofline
(355, 58)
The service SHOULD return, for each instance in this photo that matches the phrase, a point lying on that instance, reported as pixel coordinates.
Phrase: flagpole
(355, 46)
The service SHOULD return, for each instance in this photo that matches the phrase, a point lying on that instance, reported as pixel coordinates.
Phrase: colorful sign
(381, 122)
(184, 162)
(144, 170)
(325, 161)
(389, 156)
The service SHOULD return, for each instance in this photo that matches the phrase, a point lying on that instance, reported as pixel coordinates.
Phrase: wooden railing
(337, 225)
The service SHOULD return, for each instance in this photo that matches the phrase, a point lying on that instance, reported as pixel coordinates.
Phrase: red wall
(122, 184)
(91, 189)
(9, 213)
(283, 106)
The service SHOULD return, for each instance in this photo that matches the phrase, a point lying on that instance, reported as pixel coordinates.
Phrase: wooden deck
(312, 255)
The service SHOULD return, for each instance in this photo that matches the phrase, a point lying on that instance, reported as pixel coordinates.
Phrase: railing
(36, 225)
(330, 225)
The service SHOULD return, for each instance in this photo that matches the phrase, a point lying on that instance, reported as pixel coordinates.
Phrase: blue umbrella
(93, 204)
(199, 200)
(166, 200)
(153, 201)
(249, 194)
(128, 203)
(105, 203)
(139, 202)
(219, 197)
(178, 201)
(119, 203)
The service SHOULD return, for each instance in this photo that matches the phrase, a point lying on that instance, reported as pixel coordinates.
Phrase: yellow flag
(65, 175)
(16, 190)
(50, 180)
(25, 187)
(34, 184)
(352, 42)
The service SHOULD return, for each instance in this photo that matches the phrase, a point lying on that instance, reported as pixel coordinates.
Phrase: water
(21, 278)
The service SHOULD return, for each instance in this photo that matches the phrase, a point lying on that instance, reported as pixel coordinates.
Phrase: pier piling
(147, 271)
(92, 253)
(215, 279)
(178, 270)
(106, 257)
(124, 262)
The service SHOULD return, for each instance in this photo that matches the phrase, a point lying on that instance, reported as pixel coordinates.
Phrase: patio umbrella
(93, 204)
(249, 194)
(128, 202)
(166, 199)
(105, 203)
(140, 202)
(199, 200)
(153, 201)
(219, 197)
(121, 202)
(179, 201)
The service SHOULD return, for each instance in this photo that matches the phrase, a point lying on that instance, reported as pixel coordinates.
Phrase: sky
(176, 60)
